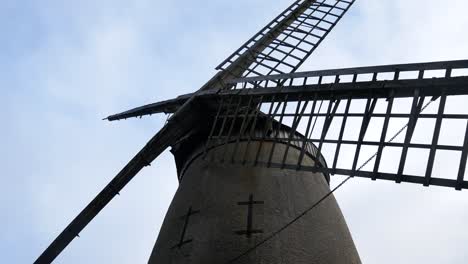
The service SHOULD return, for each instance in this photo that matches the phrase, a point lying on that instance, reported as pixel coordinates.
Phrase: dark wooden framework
(277, 91)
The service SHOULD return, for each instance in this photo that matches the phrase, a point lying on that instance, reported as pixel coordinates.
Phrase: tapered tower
(225, 204)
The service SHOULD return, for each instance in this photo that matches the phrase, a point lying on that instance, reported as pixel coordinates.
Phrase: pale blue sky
(67, 64)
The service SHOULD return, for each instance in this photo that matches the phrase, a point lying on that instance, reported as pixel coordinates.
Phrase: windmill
(249, 144)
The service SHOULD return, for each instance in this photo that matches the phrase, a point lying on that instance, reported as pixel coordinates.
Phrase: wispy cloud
(68, 64)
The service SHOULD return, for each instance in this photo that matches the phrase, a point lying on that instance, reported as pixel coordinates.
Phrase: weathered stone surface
(213, 191)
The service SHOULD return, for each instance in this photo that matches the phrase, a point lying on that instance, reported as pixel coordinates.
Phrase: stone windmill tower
(248, 147)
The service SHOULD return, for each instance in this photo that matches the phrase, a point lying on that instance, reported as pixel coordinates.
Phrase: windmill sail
(287, 41)
(175, 128)
(154, 147)
(167, 107)
(284, 44)
(296, 100)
